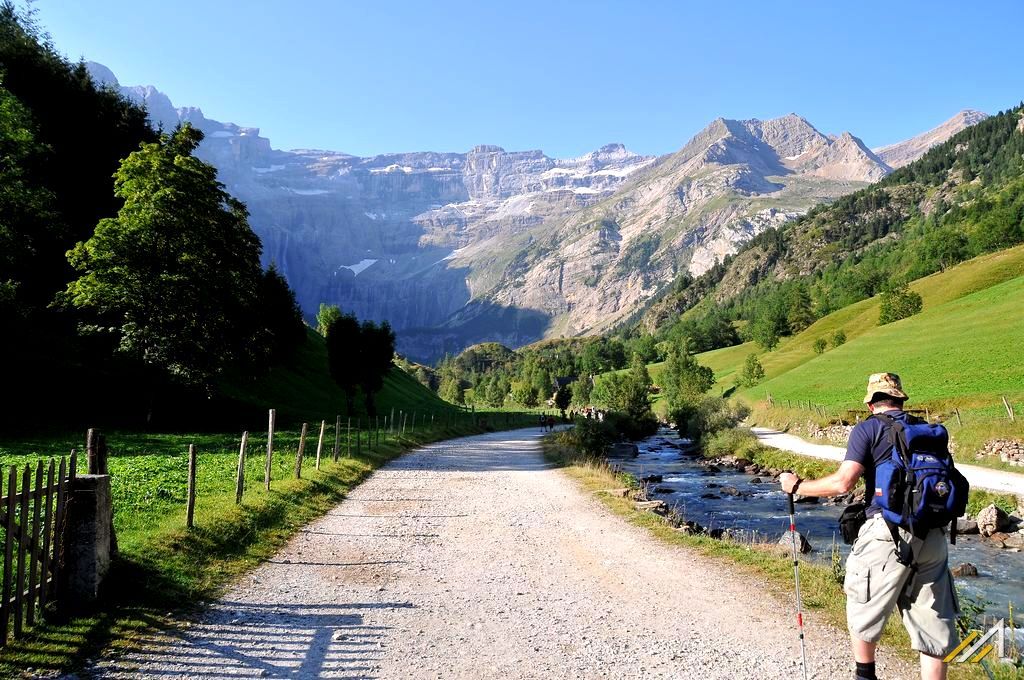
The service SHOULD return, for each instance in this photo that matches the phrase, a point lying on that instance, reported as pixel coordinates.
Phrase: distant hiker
(551, 423)
(889, 567)
(543, 423)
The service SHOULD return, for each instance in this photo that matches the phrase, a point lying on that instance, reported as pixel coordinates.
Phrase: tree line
(126, 269)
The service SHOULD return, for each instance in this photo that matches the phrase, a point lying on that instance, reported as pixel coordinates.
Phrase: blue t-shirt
(869, 445)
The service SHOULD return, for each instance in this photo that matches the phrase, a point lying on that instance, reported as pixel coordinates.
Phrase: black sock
(866, 671)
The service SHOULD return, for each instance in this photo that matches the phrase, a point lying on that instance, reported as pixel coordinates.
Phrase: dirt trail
(474, 559)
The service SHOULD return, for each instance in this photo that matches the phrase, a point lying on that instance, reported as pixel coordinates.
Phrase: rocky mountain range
(513, 246)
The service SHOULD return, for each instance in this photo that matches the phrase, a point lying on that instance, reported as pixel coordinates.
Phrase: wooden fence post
(47, 523)
(337, 437)
(348, 438)
(320, 443)
(302, 446)
(240, 475)
(19, 596)
(359, 435)
(376, 433)
(270, 447)
(959, 422)
(1009, 409)
(392, 421)
(190, 504)
(5, 590)
(33, 567)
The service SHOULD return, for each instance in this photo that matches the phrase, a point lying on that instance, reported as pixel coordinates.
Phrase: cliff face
(458, 248)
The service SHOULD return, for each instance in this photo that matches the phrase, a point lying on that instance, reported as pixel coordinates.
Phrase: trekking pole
(796, 579)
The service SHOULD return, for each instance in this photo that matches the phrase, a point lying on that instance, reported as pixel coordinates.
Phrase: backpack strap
(892, 429)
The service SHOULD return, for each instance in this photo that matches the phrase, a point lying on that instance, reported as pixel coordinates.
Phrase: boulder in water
(651, 479)
(756, 480)
(802, 544)
(731, 491)
(965, 569)
(966, 525)
(711, 496)
(992, 519)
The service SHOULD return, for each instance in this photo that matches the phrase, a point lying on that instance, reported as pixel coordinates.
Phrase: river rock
(712, 485)
(712, 469)
(992, 520)
(651, 479)
(731, 491)
(801, 542)
(1014, 541)
(805, 499)
(663, 489)
(1001, 539)
(752, 469)
(756, 480)
(966, 525)
(965, 569)
(712, 496)
(691, 528)
(653, 506)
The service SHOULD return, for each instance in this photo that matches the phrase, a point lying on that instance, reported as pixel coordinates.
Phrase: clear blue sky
(566, 77)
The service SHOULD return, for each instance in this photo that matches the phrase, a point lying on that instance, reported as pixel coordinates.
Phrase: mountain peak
(101, 75)
(901, 153)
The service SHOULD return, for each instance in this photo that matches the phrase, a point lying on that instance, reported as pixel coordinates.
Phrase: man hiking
(877, 581)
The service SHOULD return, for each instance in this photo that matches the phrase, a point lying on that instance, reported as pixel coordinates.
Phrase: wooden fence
(398, 427)
(32, 516)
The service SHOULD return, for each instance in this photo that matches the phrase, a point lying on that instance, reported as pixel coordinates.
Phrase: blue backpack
(918, 488)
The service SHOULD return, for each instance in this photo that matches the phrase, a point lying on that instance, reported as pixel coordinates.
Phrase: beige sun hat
(884, 383)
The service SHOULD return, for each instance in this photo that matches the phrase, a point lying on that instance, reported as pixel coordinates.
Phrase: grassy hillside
(303, 389)
(969, 308)
(960, 351)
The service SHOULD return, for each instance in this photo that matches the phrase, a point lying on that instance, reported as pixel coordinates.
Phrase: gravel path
(472, 558)
(979, 477)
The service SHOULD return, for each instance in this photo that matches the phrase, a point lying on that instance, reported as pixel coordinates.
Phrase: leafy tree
(839, 338)
(497, 390)
(683, 380)
(945, 247)
(343, 349)
(581, 390)
(628, 393)
(325, 316)
(765, 331)
(898, 302)
(524, 393)
(820, 345)
(376, 352)
(451, 390)
(278, 317)
(563, 397)
(753, 371)
(173, 275)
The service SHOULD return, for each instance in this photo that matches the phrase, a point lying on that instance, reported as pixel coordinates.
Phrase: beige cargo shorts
(876, 584)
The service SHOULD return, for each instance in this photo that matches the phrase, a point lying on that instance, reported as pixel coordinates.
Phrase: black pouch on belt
(851, 521)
